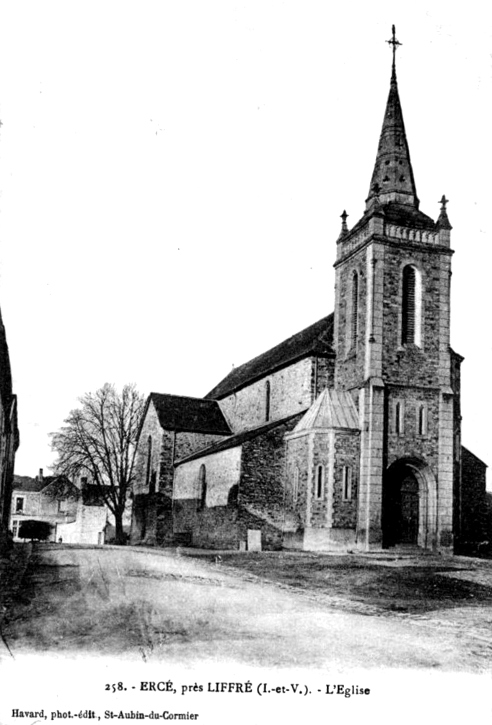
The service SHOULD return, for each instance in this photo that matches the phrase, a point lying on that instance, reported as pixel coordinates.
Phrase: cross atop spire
(395, 43)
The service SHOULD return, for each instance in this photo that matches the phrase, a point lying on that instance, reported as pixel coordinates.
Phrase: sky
(172, 176)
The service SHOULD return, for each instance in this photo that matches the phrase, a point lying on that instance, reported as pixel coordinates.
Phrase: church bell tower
(391, 336)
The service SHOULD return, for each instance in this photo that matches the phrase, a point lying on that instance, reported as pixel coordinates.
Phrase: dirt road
(153, 606)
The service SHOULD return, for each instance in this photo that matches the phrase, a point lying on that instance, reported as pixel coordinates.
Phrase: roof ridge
(278, 356)
(237, 438)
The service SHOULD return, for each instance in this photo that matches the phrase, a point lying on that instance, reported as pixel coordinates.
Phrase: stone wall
(323, 375)
(291, 390)
(408, 443)
(244, 491)
(262, 485)
(349, 369)
(346, 454)
(319, 512)
(417, 365)
(152, 517)
(411, 364)
(296, 480)
(472, 523)
(208, 514)
(167, 446)
(456, 361)
(151, 428)
(88, 527)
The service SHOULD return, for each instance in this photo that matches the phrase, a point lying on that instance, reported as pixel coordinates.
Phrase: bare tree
(99, 440)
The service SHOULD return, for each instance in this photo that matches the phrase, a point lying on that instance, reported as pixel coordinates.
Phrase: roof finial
(443, 221)
(395, 43)
(344, 229)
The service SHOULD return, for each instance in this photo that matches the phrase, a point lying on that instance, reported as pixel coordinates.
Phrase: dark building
(9, 435)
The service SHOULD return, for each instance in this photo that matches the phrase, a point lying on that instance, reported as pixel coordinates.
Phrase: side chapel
(348, 434)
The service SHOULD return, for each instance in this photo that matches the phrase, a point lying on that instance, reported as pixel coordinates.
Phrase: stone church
(347, 435)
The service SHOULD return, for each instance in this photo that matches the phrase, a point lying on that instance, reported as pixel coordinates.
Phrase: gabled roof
(466, 452)
(26, 483)
(316, 340)
(331, 409)
(195, 415)
(35, 485)
(238, 439)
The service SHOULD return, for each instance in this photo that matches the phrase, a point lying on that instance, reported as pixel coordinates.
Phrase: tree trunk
(120, 537)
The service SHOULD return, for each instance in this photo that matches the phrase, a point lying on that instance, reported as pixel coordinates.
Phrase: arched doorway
(409, 505)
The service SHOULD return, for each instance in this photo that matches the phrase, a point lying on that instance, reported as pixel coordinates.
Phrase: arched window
(295, 486)
(354, 312)
(202, 487)
(320, 481)
(149, 460)
(399, 417)
(422, 419)
(411, 306)
(267, 400)
(347, 483)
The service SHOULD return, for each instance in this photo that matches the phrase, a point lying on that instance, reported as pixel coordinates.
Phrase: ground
(269, 609)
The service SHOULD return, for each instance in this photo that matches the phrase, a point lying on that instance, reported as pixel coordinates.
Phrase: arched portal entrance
(409, 505)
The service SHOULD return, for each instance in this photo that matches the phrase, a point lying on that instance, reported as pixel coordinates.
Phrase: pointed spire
(443, 221)
(392, 178)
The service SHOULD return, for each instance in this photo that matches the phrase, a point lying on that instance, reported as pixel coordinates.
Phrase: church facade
(346, 435)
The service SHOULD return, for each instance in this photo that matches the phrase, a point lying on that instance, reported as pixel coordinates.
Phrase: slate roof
(316, 340)
(467, 452)
(195, 415)
(26, 483)
(393, 173)
(400, 214)
(35, 485)
(238, 439)
(331, 409)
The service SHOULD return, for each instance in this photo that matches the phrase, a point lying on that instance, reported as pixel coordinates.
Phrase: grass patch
(404, 588)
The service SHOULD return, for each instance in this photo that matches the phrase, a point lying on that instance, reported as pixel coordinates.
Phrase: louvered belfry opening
(355, 310)
(409, 305)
